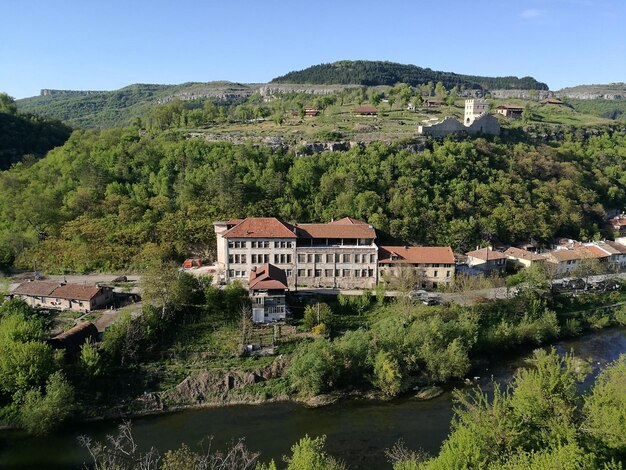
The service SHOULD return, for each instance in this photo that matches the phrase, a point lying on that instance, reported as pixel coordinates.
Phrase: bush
(42, 413)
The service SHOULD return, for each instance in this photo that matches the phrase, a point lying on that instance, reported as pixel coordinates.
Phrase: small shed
(366, 110)
(192, 263)
(72, 339)
(311, 112)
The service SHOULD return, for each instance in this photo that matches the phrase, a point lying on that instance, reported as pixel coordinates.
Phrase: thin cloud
(532, 14)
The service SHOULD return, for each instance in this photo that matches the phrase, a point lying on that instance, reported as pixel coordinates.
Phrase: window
(346, 258)
(231, 244)
(357, 273)
(231, 259)
(330, 258)
(318, 273)
(301, 272)
(372, 258)
(266, 244)
(253, 259)
(346, 273)
(288, 272)
(357, 258)
(309, 272)
(289, 245)
(436, 272)
(243, 259)
(328, 273)
(318, 258)
(266, 258)
(337, 272)
(370, 273)
(283, 244)
(289, 258)
(447, 273)
(364, 273)
(253, 243)
(276, 244)
(231, 273)
(301, 258)
(309, 258)
(276, 258)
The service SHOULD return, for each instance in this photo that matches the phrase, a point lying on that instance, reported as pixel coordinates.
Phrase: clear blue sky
(105, 45)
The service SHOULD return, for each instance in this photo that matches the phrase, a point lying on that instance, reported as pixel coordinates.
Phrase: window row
(336, 258)
(260, 244)
(336, 272)
(279, 258)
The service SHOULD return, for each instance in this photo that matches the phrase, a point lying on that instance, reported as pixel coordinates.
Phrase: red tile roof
(486, 254)
(576, 254)
(76, 291)
(261, 227)
(36, 288)
(366, 109)
(616, 246)
(598, 251)
(523, 254)
(267, 276)
(415, 254)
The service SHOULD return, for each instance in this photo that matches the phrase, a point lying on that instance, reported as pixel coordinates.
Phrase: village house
(523, 258)
(62, 296)
(340, 254)
(487, 260)
(566, 261)
(267, 285)
(511, 112)
(615, 253)
(434, 263)
(366, 110)
(433, 103)
(619, 224)
(311, 112)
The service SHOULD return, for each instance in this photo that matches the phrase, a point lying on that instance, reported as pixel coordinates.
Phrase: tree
(440, 90)
(90, 361)
(7, 104)
(42, 413)
(315, 314)
(605, 408)
(387, 374)
(309, 454)
(163, 286)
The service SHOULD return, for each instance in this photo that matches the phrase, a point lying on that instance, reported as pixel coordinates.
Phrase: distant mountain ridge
(373, 73)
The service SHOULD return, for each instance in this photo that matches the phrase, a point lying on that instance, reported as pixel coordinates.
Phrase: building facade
(434, 264)
(62, 296)
(340, 254)
(268, 285)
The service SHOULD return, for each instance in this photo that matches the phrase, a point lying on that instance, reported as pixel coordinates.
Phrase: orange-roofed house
(267, 284)
(487, 260)
(435, 262)
(566, 261)
(523, 258)
(61, 296)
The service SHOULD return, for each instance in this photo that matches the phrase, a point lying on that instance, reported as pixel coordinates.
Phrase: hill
(22, 135)
(119, 107)
(611, 91)
(373, 73)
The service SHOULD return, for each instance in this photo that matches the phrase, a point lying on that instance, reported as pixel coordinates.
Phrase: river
(357, 431)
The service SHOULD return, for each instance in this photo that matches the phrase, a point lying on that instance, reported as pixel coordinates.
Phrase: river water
(357, 431)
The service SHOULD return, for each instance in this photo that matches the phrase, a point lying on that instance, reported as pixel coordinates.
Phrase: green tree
(90, 361)
(7, 104)
(309, 454)
(315, 314)
(42, 413)
(387, 374)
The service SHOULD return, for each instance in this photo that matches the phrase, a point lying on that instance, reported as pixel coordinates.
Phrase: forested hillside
(26, 134)
(371, 73)
(111, 199)
(119, 107)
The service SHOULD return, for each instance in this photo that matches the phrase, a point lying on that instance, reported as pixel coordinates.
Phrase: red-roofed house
(366, 110)
(435, 262)
(78, 297)
(268, 284)
(487, 260)
(523, 258)
(615, 253)
(566, 261)
(619, 224)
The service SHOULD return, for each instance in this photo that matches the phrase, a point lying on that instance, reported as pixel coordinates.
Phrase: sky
(106, 45)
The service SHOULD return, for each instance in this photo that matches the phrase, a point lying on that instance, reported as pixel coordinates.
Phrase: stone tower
(473, 109)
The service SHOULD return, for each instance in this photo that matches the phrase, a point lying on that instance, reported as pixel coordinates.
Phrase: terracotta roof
(76, 291)
(616, 246)
(598, 251)
(75, 337)
(267, 276)
(523, 254)
(36, 288)
(416, 254)
(576, 254)
(261, 227)
(234, 221)
(365, 109)
(511, 108)
(618, 221)
(486, 254)
(343, 228)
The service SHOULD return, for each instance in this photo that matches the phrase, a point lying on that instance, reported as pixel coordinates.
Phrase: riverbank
(358, 431)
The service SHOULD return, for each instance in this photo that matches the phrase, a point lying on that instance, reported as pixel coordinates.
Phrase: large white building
(339, 254)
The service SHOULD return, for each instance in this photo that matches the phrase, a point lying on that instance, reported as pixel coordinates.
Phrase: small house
(487, 260)
(62, 296)
(190, 263)
(511, 112)
(311, 112)
(72, 339)
(366, 110)
(434, 263)
(567, 260)
(434, 103)
(268, 284)
(523, 258)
